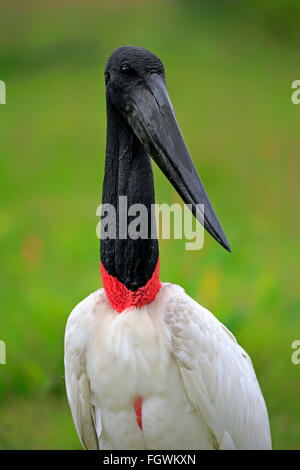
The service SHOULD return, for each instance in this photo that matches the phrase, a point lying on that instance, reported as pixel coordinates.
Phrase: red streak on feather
(138, 411)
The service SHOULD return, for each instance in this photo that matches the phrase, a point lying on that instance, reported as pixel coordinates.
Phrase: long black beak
(153, 120)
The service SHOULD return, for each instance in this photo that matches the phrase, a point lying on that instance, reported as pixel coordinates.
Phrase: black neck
(128, 172)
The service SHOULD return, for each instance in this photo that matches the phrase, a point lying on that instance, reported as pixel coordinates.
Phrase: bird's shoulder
(217, 373)
(77, 335)
(192, 324)
(82, 317)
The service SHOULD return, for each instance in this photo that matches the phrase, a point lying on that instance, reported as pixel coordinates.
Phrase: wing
(218, 376)
(86, 417)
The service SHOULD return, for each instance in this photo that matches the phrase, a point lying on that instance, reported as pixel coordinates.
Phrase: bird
(146, 366)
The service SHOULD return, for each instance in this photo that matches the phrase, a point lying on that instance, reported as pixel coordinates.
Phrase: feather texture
(198, 386)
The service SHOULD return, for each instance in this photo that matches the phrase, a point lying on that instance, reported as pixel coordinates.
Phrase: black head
(130, 63)
(129, 68)
(135, 85)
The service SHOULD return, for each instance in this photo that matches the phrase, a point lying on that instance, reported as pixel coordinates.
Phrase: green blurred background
(229, 69)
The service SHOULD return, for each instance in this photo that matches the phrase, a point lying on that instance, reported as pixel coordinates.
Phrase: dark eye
(125, 68)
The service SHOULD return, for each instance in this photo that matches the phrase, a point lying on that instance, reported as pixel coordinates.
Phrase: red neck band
(121, 298)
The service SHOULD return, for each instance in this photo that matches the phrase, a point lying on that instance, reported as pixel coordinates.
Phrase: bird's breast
(136, 383)
(128, 358)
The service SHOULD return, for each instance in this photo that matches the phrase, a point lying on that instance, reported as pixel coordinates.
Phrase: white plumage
(198, 385)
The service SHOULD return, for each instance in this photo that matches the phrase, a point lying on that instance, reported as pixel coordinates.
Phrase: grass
(229, 79)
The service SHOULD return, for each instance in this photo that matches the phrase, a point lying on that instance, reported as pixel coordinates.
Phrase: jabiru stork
(147, 367)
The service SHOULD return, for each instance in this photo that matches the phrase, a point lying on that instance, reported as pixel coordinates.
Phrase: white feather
(198, 385)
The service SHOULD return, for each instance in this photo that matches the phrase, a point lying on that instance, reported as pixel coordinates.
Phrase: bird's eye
(125, 68)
